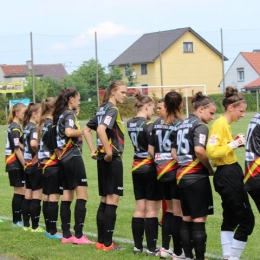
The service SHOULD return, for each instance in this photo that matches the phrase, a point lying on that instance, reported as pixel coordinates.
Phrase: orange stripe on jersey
(252, 170)
(50, 162)
(28, 164)
(10, 158)
(190, 168)
(138, 164)
(66, 148)
(169, 166)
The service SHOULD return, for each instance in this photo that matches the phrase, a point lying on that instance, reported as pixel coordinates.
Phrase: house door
(144, 89)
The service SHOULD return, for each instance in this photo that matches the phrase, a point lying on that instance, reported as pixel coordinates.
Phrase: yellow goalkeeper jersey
(217, 149)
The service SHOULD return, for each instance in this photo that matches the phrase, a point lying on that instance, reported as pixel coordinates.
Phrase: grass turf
(15, 242)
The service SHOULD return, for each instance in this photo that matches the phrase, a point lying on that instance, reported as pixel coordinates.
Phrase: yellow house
(177, 59)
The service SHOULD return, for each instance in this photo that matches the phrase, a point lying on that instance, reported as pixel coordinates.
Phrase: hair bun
(230, 91)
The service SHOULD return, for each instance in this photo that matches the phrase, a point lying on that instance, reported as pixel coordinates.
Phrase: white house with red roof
(244, 73)
(14, 73)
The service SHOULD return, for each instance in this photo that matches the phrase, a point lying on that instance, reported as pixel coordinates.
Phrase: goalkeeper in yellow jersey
(228, 177)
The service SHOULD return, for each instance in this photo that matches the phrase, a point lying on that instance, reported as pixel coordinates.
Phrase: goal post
(160, 91)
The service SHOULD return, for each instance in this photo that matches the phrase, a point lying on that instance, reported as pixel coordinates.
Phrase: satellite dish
(134, 75)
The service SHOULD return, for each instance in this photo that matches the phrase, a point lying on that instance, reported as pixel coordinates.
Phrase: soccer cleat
(57, 235)
(18, 224)
(27, 228)
(67, 240)
(177, 257)
(112, 247)
(165, 253)
(154, 253)
(137, 251)
(38, 230)
(82, 240)
(99, 246)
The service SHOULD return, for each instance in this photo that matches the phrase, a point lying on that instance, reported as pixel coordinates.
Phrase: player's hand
(108, 157)
(239, 141)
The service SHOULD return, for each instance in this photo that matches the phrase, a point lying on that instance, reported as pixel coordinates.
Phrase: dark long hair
(172, 102)
(62, 102)
(199, 100)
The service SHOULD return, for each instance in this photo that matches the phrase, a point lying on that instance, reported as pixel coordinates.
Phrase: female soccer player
(14, 160)
(110, 132)
(252, 160)
(193, 175)
(49, 164)
(147, 190)
(228, 178)
(161, 111)
(160, 149)
(33, 176)
(69, 156)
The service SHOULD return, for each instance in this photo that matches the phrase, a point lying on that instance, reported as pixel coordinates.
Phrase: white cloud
(104, 30)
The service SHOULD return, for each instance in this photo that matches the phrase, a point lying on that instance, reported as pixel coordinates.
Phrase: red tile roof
(55, 71)
(253, 59)
(253, 84)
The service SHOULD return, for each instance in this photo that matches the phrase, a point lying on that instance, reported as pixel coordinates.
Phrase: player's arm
(88, 137)
(202, 156)
(102, 135)
(19, 155)
(151, 150)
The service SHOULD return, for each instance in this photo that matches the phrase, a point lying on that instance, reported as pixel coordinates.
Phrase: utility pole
(223, 59)
(32, 64)
(97, 83)
(161, 71)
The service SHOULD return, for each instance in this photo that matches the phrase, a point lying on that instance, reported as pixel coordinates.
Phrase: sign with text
(11, 87)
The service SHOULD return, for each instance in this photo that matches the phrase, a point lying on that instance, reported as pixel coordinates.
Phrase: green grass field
(16, 243)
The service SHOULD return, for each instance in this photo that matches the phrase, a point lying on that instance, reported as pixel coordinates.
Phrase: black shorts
(16, 178)
(110, 177)
(255, 195)
(196, 199)
(33, 178)
(73, 173)
(170, 190)
(52, 183)
(146, 185)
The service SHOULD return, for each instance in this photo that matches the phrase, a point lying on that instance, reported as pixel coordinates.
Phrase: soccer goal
(160, 91)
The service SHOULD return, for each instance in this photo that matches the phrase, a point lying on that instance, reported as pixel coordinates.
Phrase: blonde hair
(32, 107)
(13, 110)
(47, 107)
(113, 86)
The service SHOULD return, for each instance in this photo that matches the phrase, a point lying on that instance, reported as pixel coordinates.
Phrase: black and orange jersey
(67, 146)
(139, 130)
(13, 138)
(252, 155)
(29, 133)
(109, 116)
(47, 156)
(191, 132)
(161, 139)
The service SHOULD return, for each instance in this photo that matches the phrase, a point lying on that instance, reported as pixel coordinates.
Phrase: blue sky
(63, 30)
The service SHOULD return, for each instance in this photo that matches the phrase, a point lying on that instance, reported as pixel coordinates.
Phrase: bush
(3, 120)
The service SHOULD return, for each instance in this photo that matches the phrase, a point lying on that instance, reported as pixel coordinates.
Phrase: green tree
(130, 75)
(114, 73)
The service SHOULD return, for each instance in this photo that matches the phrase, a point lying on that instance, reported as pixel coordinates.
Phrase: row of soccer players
(171, 162)
(172, 138)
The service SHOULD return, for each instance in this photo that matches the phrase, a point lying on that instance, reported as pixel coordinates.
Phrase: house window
(143, 69)
(240, 74)
(187, 47)
(126, 70)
